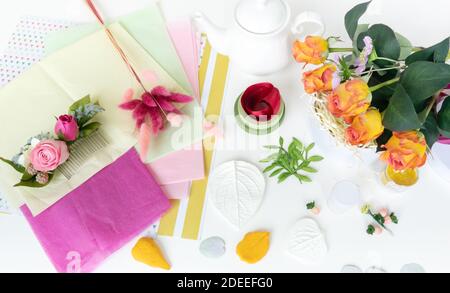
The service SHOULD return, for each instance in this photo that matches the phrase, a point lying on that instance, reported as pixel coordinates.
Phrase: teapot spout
(217, 36)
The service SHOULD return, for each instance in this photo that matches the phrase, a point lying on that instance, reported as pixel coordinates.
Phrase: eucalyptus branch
(286, 163)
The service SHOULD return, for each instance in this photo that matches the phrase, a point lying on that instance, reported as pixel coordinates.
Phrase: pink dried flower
(155, 105)
(42, 178)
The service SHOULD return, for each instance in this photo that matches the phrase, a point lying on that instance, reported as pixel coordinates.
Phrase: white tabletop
(423, 233)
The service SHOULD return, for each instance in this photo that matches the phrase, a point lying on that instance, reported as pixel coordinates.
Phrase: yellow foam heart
(148, 252)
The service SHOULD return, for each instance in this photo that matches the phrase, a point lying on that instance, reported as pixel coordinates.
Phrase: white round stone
(213, 247)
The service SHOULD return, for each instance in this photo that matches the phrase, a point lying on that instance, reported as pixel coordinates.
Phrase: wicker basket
(335, 126)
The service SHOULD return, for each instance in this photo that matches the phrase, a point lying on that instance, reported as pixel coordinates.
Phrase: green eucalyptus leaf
(90, 128)
(276, 172)
(352, 18)
(437, 53)
(310, 147)
(303, 178)
(401, 115)
(405, 46)
(298, 143)
(272, 147)
(281, 141)
(16, 167)
(422, 79)
(270, 168)
(33, 183)
(26, 177)
(430, 130)
(309, 169)
(283, 177)
(315, 158)
(444, 118)
(81, 102)
(384, 41)
(270, 158)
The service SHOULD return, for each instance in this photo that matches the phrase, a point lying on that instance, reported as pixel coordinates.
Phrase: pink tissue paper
(100, 216)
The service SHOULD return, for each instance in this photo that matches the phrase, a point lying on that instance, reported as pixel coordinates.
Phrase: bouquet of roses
(381, 92)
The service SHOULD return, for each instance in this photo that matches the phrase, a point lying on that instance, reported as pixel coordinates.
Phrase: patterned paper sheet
(26, 45)
(3, 205)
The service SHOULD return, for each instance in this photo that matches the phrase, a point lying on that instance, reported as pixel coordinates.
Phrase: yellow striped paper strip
(196, 203)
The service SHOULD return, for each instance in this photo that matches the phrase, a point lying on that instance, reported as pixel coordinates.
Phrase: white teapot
(259, 40)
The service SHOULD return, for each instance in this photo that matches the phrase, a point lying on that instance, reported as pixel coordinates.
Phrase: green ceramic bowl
(253, 126)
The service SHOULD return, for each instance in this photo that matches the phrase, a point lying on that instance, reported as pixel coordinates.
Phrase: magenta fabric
(100, 216)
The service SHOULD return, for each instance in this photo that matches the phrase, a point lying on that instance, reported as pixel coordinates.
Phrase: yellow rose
(365, 128)
(313, 50)
(349, 99)
(320, 79)
(405, 150)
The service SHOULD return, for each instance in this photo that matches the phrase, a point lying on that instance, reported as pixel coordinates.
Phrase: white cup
(344, 196)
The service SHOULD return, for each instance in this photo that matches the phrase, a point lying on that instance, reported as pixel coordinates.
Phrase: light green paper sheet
(89, 66)
(147, 26)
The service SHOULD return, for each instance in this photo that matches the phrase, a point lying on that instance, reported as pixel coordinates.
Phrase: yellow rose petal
(253, 247)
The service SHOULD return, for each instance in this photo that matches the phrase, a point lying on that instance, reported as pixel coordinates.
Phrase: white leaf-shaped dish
(237, 191)
(307, 242)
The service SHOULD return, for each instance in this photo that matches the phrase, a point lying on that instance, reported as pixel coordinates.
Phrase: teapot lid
(262, 16)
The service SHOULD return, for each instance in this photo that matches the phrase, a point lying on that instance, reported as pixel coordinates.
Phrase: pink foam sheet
(100, 216)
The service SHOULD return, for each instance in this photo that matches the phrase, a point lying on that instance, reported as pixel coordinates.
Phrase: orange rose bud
(314, 50)
(405, 150)
(349, 99)
(365, 128)
(320, 79)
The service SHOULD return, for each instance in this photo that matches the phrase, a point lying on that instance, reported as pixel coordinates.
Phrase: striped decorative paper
(185, 218)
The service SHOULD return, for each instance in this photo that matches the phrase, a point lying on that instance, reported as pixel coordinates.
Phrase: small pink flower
(175, 120)
(378, 230)
(384, 212)
(387, 220)
(315, 210)
(47, 155)
(67, 127)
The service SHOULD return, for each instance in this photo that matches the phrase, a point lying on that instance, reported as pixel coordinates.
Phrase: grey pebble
(351, 269)
(412, 268)
(213, 247)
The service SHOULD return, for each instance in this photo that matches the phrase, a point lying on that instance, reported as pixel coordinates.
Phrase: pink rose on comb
(47, 155)
(66, 127)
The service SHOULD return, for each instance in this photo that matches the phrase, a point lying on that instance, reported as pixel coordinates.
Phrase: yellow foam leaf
(148, 252)
(253, 247)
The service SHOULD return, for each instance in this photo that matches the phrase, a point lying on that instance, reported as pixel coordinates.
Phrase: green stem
(383, 69)
(383, 84)
(379, 222)
(336, 50)
(430, 106)
(387, 59)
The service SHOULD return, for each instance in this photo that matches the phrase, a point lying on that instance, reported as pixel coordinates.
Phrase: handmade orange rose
(314, 50)
(349, 99)
(320, 79)
(365, 128)
(405, 150)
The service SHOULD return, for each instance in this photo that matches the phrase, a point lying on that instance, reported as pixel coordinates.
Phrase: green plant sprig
(379, 219)
(291, 161)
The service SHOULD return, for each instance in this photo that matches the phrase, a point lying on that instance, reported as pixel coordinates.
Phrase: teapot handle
(308, 23)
